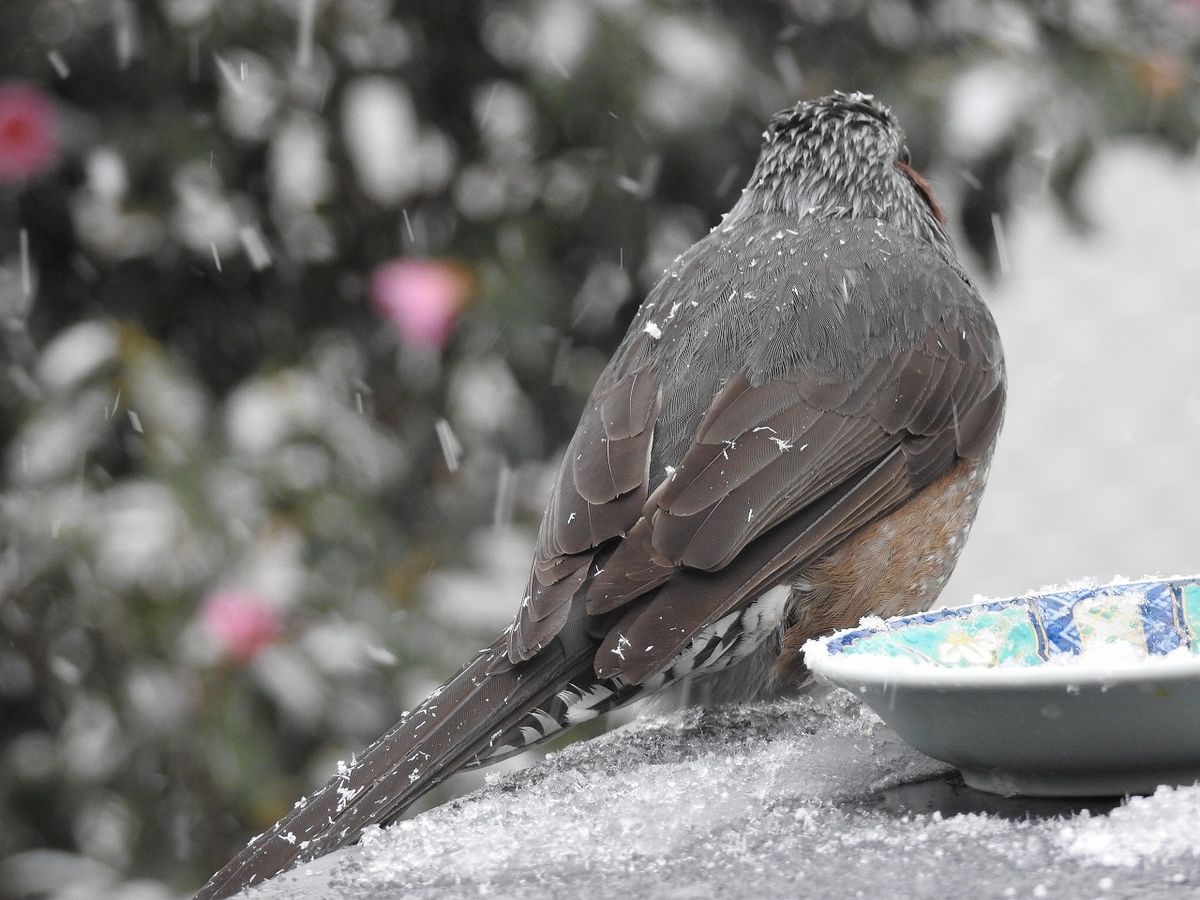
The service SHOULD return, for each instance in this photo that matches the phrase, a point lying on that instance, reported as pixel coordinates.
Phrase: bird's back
(778, 298)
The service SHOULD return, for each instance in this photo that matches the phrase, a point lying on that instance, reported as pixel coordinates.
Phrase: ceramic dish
(1088, 691)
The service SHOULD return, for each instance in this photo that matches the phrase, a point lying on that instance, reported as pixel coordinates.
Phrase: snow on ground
(815, 797)
(1161, 827)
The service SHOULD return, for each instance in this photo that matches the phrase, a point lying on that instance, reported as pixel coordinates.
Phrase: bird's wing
(854, 366)
(598, 495)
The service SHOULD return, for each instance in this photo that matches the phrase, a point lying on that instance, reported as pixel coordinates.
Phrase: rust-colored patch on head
(923, 188)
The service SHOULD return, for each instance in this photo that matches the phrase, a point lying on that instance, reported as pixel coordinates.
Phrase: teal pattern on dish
(1189, 614)
(1148, 617)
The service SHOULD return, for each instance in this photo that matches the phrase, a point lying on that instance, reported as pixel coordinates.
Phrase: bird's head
(841, 156)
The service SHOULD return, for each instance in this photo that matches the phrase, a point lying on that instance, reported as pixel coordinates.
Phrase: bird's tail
(489, 710)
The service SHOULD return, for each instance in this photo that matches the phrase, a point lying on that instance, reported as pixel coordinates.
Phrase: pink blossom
(28, 132)
(241, 622)
(421, 297)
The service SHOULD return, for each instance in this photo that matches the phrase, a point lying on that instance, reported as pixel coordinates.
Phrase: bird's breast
(896, 565)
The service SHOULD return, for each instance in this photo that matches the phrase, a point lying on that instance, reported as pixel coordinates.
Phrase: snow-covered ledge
(813, 798)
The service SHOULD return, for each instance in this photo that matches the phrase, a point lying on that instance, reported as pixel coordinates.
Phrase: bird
(794, 433)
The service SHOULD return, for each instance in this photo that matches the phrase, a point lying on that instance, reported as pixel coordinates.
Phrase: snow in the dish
(813, 797)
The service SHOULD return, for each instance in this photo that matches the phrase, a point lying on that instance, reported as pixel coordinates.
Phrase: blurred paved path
(1098, 469)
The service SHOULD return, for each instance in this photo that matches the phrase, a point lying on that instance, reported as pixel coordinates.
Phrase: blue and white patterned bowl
(1086, 691)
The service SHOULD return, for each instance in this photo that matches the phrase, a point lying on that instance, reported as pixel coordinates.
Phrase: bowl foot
(1078, 783)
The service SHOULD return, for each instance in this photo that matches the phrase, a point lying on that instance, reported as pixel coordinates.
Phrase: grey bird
(794, 433)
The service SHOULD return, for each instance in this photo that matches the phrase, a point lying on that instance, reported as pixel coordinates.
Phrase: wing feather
(683, 606)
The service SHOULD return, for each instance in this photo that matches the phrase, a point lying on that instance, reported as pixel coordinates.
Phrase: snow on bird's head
(834, 132)
(841, 156)
(834, 112)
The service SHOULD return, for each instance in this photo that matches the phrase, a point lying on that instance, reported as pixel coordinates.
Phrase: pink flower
(421, 297)
(28, 132)
(241, 622)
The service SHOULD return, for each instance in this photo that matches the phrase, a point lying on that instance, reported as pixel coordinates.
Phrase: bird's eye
(905, 157)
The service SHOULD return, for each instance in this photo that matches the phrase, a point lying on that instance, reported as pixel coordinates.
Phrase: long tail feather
(470, 720)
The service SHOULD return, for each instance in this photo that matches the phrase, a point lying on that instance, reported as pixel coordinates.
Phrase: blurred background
(300, 300)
